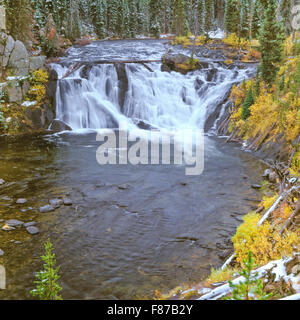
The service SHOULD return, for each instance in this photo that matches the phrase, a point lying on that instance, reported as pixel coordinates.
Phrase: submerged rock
(21, 201)
(32, 230)
(56, 203)
(67, 202)
(7, 228)
(29, 224)
(47, 208)
(14, 223)
(58, 126)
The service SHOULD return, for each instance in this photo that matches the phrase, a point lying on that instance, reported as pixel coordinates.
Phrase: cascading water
(101, 96)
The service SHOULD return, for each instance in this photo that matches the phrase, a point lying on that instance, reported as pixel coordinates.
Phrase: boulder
(67, 202)
(47, 208)
(19, 59)
(37, 62)
(32, 230)
(58, 126)
(13, 91)
(56, 203)
(37, 117)
(9, 46)
(172, 62)
(21, 201)
(14, 223)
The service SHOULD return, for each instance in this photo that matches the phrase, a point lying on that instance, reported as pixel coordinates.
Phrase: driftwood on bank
(290, 219)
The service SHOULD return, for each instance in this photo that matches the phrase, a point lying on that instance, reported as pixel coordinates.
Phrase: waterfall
(100, 96)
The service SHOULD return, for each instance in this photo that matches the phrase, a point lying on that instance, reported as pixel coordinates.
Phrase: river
(131, 229)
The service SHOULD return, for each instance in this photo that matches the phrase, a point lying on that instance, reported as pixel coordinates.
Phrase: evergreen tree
(208, 17)
(271, 44)
(180, 25)
(99, 21)
(245, 18)
(256, 20)
(232, 17)
(201, 14)
(154, 11)
(247, 104)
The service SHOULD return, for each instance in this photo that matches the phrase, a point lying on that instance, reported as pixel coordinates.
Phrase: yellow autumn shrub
(38, 92)
(264, 241)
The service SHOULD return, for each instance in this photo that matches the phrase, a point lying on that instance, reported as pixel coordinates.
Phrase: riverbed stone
(29, 224)
(1, 252)
(32, 230)
(1, 182)
(21, 201)
(14, 223)
(124, 186)
(58, 126)
(256, 186)
(67, 202)
(47, 208)
(56, 203)
(7, 228)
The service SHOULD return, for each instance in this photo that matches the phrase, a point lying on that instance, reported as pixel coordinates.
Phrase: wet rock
(33, 230)
(124, 186)
(67, 202)
(58, 126)
(123, 83)
(1, 182)
(1, 252)
(47, 208)
(272, 177)
(29, 224)
(266, 174)
(37, 117)
(7, 228)
(21, 201)
(296, 269)
(256, 186)
(14, 223)
(56, 203)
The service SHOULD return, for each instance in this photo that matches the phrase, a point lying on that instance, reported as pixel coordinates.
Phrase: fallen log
(290, 219)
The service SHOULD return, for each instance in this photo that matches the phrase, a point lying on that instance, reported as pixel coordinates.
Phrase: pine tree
(180, 24)
(208, 17)
(245, 18)
(201, 14)
(154, 11)
(232, 17)
(271, 40)
(247, 104)
(256, 20)
(98, 20)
